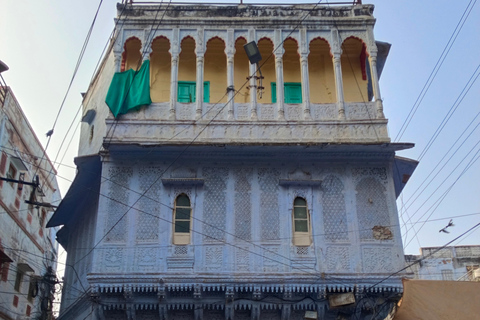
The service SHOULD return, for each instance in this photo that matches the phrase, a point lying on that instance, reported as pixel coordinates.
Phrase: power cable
(450, 112)
(436, 68)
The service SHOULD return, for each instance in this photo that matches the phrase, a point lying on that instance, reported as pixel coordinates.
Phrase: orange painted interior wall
(132, 55)
(241, 72)
(321, 73)
(215, 70)
(354, 87)
(291, 62)
(160, 70)
(265, 46)
(187, 65)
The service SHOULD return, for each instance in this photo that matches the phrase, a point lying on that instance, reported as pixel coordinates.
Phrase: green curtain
(129, 90)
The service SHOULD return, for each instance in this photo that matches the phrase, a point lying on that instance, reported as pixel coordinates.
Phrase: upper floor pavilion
(317, 82)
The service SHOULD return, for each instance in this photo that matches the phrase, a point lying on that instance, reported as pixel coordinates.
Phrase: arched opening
(182, 220)
(241, 71)
(265, 46)
(132, 55)
(301, 223)
(321, 72)
(215, 71)
(354, 70)
(187, 71)
(160, 69)
(291, 72)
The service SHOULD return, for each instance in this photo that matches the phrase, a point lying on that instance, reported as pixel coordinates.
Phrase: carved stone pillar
(253, 81)
(305, 87)
(199, 93)
(117, 61)
(230, 85)
(286, 311)
(173, 86)
(280, 89)
(337, 67)
(376, 88)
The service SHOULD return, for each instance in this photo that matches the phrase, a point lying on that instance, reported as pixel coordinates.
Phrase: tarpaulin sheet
(439, 300)
(129, 90)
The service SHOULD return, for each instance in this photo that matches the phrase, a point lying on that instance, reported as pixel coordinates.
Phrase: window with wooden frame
(11, 173)
(301, 223)
(182, 220)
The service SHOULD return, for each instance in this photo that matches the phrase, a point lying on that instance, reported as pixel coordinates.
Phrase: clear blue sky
(41, 41)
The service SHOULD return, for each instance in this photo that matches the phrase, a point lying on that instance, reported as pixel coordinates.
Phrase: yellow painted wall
(291, 62)
(321, 73)
(268, 68)
(354, 87)
(160, 68)
(215, 70)
(132, 54)
(241, 72)
(187, 64)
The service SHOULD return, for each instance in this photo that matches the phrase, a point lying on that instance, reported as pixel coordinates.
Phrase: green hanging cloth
(129, 90)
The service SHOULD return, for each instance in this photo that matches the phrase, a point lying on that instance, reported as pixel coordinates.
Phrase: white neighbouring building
(453, 263)
(28, 192)
(217, 202)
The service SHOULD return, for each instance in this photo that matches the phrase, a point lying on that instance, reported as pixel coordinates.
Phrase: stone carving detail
(294, 112)
(242, 112)
(213, 258)
(377, 260)
(242, 260)
(360, 111)
(334, 211)
(338, 259)
(214, 111)
(184, 112)
(324, 112)
(361, 172)
(116, 224)
(146, 259)
(147, 218)
(372, 209)
(113, 259)
(243, 207)
(266, 112)
(302, 251)
(270, 219)
(215, 203)
(272, 259)
(180, 250)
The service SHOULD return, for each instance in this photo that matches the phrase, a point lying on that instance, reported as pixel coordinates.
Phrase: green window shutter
(187, 91)
(274, 92)
(206, 91)
(291, 90)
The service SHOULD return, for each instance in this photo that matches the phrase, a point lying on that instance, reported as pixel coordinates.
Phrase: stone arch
(292, 76)
(354, 65)
(321, 72)
(241, 71)
(160, 69)
(187, 70)
(132, 54)
(215, 70)
(266, 46)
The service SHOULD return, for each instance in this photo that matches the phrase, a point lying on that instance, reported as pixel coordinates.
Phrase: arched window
(182, 220)
(301, 223)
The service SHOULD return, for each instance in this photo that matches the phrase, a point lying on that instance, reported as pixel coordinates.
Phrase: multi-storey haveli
(202, 195)
(28, 194)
